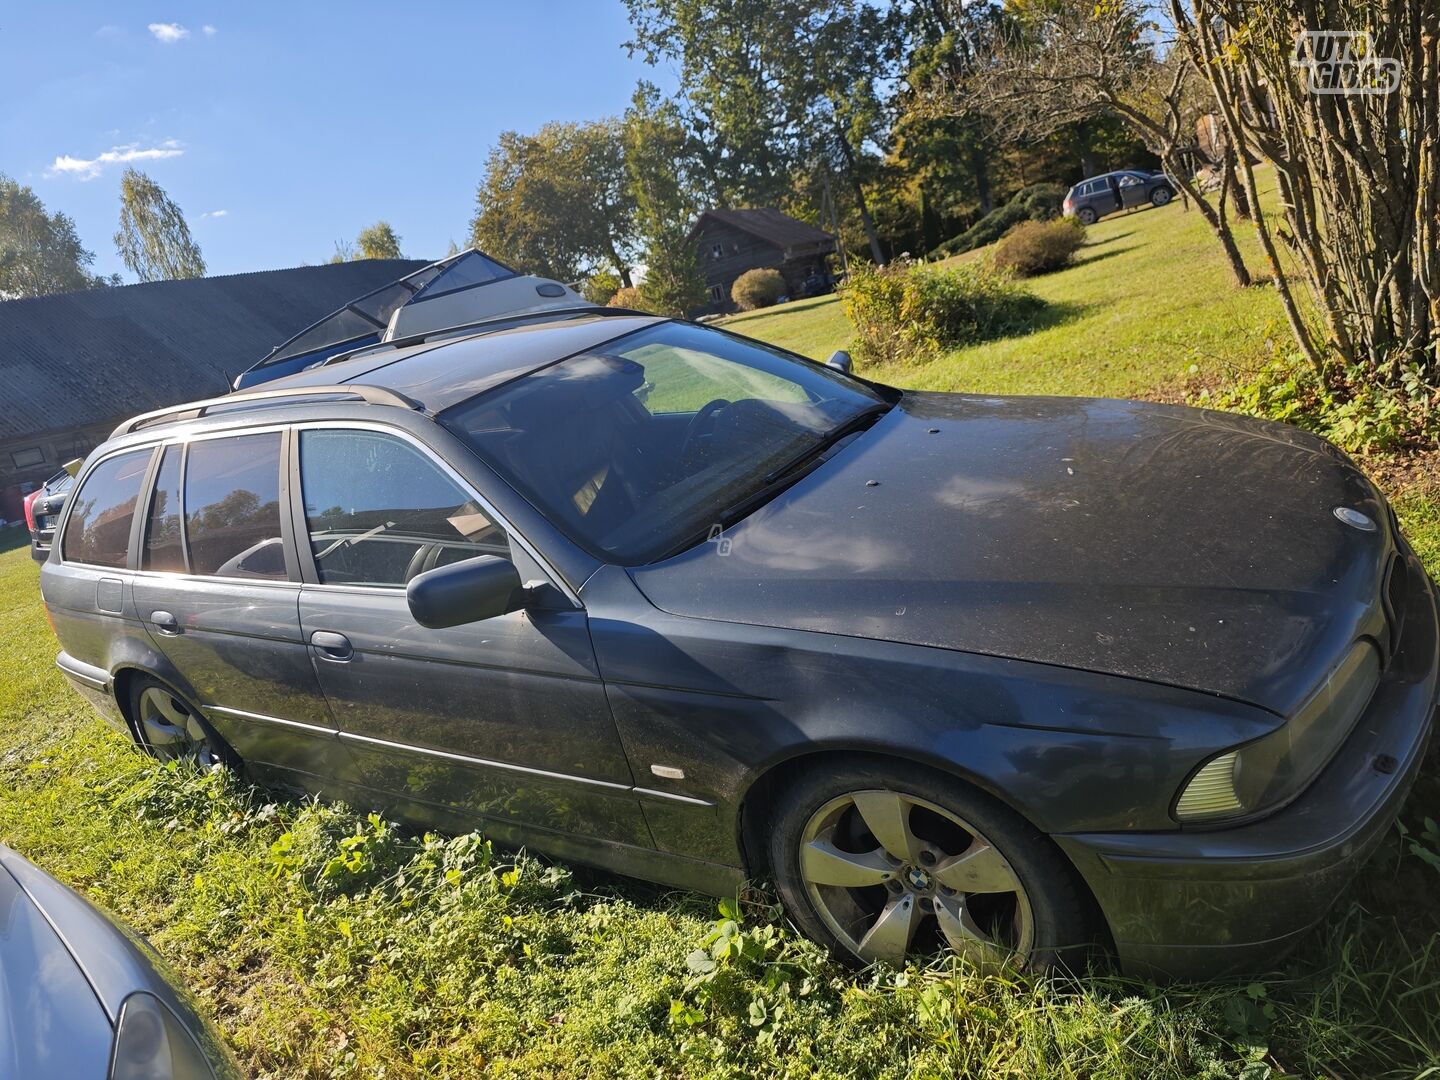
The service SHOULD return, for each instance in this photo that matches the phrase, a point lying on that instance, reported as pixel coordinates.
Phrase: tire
(168, 727)
(1161, 196)
(891, 908)
(1087, 216)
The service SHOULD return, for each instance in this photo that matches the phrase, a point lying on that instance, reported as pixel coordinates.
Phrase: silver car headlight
(152, 1044)
(1271, 771)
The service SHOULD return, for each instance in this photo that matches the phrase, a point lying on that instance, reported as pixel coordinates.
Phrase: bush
(904, 312)
(1359, 415)
(758, 288)
(629, 297)
(600, 288)
(1038, 247)
(1038, 202)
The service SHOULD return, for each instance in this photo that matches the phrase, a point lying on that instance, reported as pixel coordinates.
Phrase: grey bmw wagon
(1010, 676)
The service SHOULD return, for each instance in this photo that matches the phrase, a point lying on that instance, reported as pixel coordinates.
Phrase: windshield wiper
(859, 422)
(778, 479)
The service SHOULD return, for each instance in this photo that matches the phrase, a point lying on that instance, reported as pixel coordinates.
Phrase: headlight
(152, 1044)
(1271, 771)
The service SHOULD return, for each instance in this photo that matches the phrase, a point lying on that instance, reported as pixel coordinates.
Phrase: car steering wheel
(701, 425)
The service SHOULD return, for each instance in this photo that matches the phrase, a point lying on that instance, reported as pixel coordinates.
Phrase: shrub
(600, 288)
(1361, 415)
(1038, 202)
(1038, 247)
(629, 297)
(904, 312)
(758, 288)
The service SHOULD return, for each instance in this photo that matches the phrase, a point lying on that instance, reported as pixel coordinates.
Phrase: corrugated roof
(76, 359)
(769, 225)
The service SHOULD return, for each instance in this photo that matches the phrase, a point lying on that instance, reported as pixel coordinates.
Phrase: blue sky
(281, 128)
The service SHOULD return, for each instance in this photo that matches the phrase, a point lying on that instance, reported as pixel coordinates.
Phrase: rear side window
(162, 524)
(232, 506)
(379, 511)
(98, 531)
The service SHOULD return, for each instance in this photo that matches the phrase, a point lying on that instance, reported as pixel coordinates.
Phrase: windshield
(639, 447)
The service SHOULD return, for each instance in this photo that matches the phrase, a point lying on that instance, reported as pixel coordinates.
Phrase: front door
(219, 596)
(504, 719)
(1132, 191)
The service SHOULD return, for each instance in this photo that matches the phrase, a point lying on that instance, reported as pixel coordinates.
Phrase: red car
(42, 511)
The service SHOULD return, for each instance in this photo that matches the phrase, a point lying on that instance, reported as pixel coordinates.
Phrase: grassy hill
(330, 945)
(1148, 296)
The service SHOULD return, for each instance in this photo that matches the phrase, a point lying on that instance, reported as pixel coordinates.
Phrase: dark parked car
(1011, 675)
(42, 511)
(83, 999)
(1092, 199)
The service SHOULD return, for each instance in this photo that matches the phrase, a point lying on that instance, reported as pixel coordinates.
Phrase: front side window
(379, 511)
(102, 511)
(232, 506)
(640, 444)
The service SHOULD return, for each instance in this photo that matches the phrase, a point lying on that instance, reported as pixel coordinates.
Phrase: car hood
(1179, 546)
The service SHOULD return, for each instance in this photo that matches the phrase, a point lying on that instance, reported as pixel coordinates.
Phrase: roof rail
(372, 395)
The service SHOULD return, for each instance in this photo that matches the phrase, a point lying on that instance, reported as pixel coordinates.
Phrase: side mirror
(465, 592)
(840, 361)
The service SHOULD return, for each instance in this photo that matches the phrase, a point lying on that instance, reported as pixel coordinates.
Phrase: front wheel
(889, 861)
(1160, 196)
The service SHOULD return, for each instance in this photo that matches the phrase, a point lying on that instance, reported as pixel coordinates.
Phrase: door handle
(165, 622)
(332, 646)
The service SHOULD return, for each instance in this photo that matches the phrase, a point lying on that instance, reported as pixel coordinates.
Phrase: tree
(378, 242)
(666, 193)
(1356, 171)
(772, 87)
(731, 96)
(40, 253)
(154, 241)
(558, 202)
(1058, 63)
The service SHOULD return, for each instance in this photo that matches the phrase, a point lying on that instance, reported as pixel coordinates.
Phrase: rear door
(504, 719)
(87, 589)
(218, 589)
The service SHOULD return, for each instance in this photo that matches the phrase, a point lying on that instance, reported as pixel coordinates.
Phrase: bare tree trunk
(853, 172)
(980, 168)
(1232, 182)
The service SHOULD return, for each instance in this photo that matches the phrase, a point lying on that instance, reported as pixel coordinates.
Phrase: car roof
(433, 374)
(438, 374)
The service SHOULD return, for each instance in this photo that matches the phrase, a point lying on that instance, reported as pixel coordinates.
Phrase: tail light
(30, 508)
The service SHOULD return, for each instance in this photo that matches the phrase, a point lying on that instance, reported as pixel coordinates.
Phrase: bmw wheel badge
(1355, 519)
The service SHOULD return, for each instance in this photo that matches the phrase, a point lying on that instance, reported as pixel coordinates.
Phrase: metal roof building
(74, 364)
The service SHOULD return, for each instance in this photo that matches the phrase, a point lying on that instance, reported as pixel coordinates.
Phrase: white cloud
(89, 168)
(108, 31)
(215, 213)
(168, 33)
(210, 31)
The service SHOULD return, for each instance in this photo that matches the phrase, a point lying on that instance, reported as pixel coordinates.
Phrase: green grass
(328, 944)
(1148, 297)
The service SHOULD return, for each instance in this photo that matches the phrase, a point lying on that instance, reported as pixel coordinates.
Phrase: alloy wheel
(171, 731)
(894, 875)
